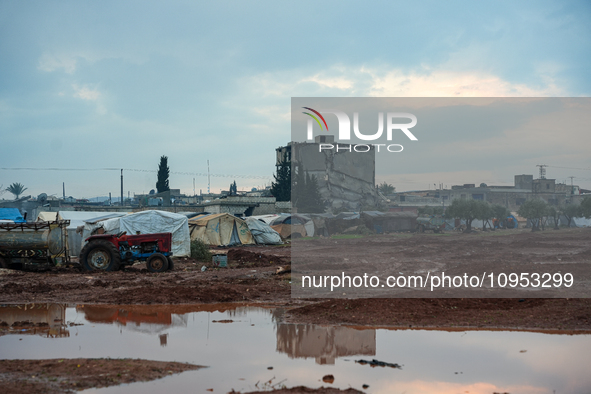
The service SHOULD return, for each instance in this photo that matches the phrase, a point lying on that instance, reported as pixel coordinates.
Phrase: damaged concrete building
(346, 178)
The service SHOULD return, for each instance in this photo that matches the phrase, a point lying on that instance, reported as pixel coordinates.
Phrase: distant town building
(525, 187)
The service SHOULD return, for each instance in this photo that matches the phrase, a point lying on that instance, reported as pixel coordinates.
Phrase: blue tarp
(11, 214)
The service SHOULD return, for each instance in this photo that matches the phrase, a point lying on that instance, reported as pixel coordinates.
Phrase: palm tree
(17, 189)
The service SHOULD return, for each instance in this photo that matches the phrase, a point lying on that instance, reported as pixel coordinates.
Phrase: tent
(12, 215)
(269, 218)
(286, 225)
(221, 229)
(147, 222)
(46, 216)
(262, 232)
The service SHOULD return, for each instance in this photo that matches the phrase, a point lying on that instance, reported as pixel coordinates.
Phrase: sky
(89, 88)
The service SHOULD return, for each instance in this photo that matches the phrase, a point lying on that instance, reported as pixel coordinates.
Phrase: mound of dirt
(71, 375)
(244, 257)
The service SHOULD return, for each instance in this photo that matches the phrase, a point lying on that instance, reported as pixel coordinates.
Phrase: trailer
(34, 245)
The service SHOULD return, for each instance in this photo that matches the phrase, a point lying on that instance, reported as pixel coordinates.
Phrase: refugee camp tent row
(326, 224)
(147, 222)
(221, 229)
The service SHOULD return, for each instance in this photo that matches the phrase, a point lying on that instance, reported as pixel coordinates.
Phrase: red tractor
(109, 252)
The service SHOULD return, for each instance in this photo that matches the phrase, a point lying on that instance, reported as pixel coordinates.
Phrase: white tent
(149, 222)
(262, 232)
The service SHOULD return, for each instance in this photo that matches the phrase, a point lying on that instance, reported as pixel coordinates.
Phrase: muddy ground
(71, 375)
(251, 278)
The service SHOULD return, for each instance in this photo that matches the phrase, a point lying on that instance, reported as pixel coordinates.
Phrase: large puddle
(240, 343)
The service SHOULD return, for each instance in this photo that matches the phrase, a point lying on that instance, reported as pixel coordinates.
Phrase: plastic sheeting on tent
(221, 229)
(11, 214)
(269, 218)
(149, 222)
(109, 226)
(262, 232)
(46, 216)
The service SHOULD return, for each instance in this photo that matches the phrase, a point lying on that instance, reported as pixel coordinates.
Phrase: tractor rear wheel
(100, 256)
(4, 263)
(157, 263)
(170, 263)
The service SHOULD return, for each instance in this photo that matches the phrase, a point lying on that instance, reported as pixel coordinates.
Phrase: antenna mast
(542, 170)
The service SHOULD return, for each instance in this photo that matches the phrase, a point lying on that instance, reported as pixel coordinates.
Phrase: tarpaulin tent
(11, 214)
(221, 229)
(148, 222)
(287, 225)
(262, 232)
(269, 218)
(46, 216)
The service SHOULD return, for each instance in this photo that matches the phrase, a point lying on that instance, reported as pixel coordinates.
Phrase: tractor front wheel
(157, 263)
(100, 256)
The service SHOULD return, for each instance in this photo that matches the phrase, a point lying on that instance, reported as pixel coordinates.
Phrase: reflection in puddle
(253, 339)
(324, 343)
(38, 319)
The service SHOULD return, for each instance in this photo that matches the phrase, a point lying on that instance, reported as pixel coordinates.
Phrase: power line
(137, 170)
(570, 168)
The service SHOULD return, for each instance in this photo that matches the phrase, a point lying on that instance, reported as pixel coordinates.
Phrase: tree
(298, 185)
(534, 210)
(17, 189)
(385, 188)
(281, 188)
(499, 213)
(163, 172)
(586, 207)
(467, 210)
(313, 200)
(484, 213)
(555, 213)
(571, 211)
(430, 211)
(233, 189)
(305, 192)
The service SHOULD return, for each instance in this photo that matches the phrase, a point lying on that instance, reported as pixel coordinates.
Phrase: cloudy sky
(109, 85)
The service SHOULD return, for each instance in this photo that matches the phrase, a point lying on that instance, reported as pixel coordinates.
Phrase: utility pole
(122, 187)
(64, 189)
(542, 170)
(208, 182)
(572, 188)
